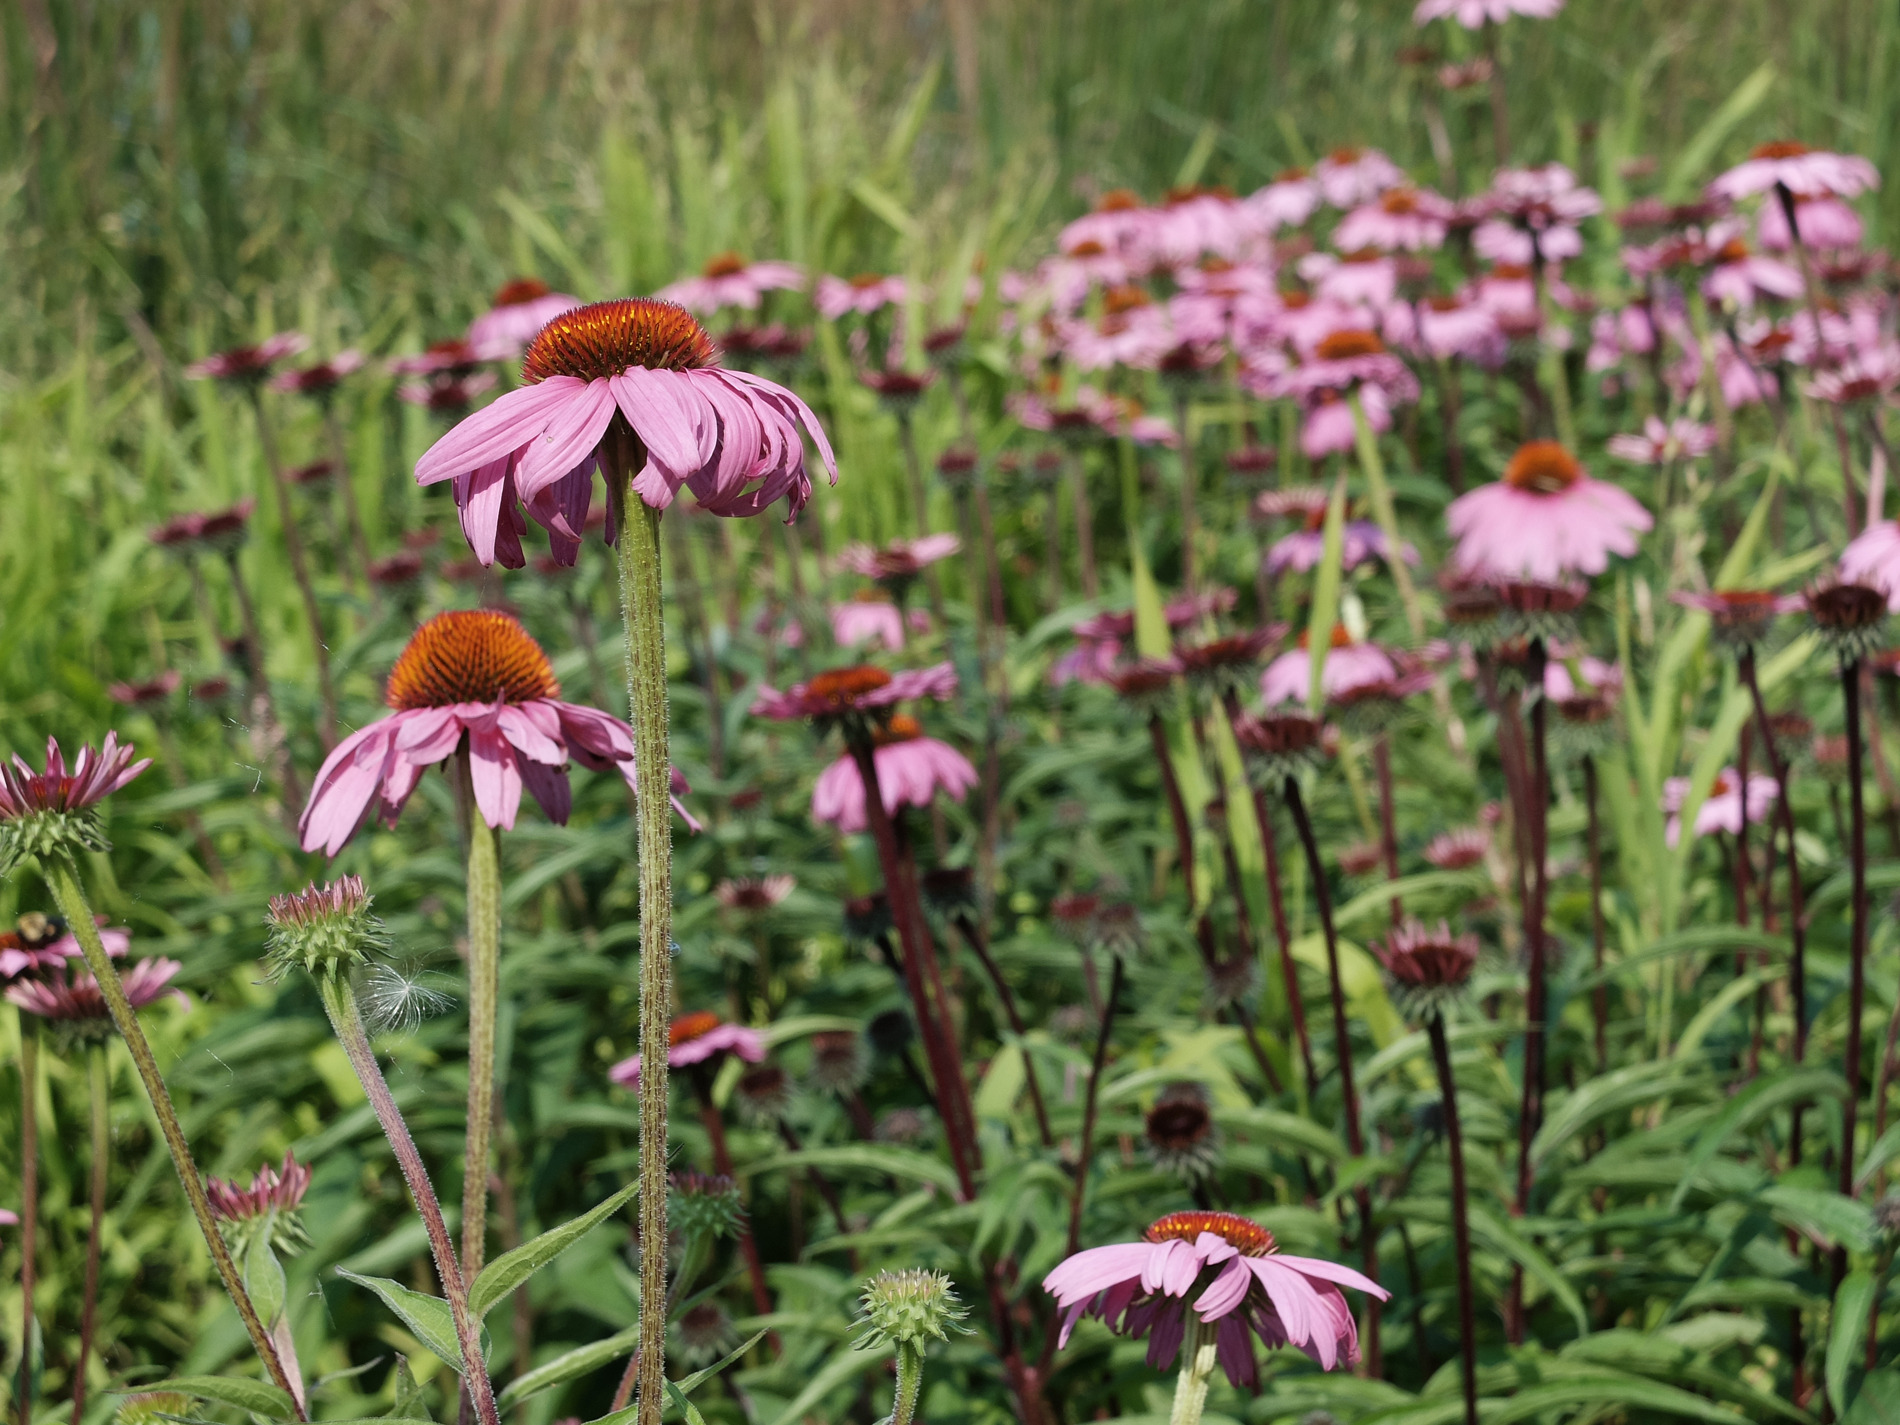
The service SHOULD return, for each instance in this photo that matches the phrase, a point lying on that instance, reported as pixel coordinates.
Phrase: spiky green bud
(908, 1308)
(323, 929)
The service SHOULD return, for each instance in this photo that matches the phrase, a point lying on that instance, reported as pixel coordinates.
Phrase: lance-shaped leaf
(511, 1269)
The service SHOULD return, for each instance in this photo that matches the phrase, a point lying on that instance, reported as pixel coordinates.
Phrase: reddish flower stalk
(722, 1165)
(1531, 1103)
(1600, 991)
(1857, 936)
(1355, 1137)
(1460, 1224)
(299, 567)
(974, 936)
(1086, 1146)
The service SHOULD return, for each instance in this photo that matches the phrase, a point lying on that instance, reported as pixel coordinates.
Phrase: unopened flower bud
(907, 1308)
(322, 929)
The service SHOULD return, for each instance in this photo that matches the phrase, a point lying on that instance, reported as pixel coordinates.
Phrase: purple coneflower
(1349, 664)
(864, 294)
(1476, 14)
(1723, 809)
(1664, 441)
(630, 369)
(1804, 172)
(321, 379)
(911, 770)
(868, 618)
(248, 364)
(518, 312)
(1458, 849)
(728, 280)
(753, 894)
(77, 1000)
(1544, 520)
(694, 1039)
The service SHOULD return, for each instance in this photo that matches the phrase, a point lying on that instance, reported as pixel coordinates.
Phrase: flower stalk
(638, 527)
(1857, 935)
(483, 844)
(1200, 1355)
(29, 1204)
(1460, 1224)
(1085, 1148)
(100, 1106)
(63, 877)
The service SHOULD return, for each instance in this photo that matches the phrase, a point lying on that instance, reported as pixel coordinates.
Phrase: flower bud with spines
(325, 930)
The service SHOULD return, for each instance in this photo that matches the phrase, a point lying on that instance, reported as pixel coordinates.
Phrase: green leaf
(428, 1317)
(1746, 1108)
(409, 1404)
(258, 1397)
(511, 1269)
(1878, 1402)
(686, 1407)
(1886, 1148)
(264, 1276)
(848, 1363)
(1506, 1239)
(1606, 1094)
(1285, 1132)
(1847, 1331)
(565, 1367)
(1827, 1215)
(691, 1383)
(1697, 153)
(1319, 629)
(870, 1158)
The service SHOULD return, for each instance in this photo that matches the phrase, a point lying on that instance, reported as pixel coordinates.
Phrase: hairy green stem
(638, 527)
(484, 991)
(339, 1002)
(63, 877)
(101, 1115)
(1461, 1227)
(1200, 1354)
(29, 1201)
(910, 1383)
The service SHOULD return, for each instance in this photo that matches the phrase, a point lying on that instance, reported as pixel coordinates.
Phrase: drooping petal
(573, 434)
(496, 779)
(515, 420)
(548, 785)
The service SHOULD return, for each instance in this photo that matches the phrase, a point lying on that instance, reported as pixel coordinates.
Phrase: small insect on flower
(908, 1308)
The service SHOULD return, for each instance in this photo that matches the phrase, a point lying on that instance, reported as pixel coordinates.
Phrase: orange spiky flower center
(1343, 156)
(470, 656)
(1542, 467)
(1118, 200)
(724, 264)
(866, 280)
(902, 728)
(1124, 297)
(1400, 201)
(521, 291)
(1343, 346)
(603, 339)
(1236, 1231)
(844, 686)
(1734, 250)
(1783, 148)
(1362, 256)
(691, 1026)
(1088, 247)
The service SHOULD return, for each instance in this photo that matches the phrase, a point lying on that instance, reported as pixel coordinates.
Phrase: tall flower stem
(1460, 1225)
(1857, 935)
(638, 526)
(1600, 992)
(299, 566)
(29, 1202)
(1531, 1105)
(920, 973)
(100, 1104)
(1190, 520)
(339, 1002)
(1797, 913)
(483, 843)
(978, 942)
(1200, 1354)
(1342, 1041)
(1085, 1146)
(715, 1126)
(910, 1383)
(63, 877)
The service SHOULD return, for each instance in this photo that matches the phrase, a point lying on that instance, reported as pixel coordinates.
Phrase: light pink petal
(496, 779)
(1227, 1291)
(573, 434)
(1333, 1272)
(516, 419)
(523, 728)
(664, 411)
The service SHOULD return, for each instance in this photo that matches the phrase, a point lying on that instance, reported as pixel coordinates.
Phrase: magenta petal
(573, 434)
(549, 786)
(1227, 1291)
(496, 780)
(664, 412)
(496, 431)
(1334, 1272)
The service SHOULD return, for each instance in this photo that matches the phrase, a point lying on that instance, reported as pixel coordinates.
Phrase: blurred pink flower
(693, 1039)
(728, 280)
(1544, 520)
(321, 379)
(248, 363)
(900, 559)
(1823, 222)
(1287, 202)
(1090, 661)
(19, 956)
(1873, 557)
(1722, 810)
(1347, 177)
(870, 618)
(864, 294)
(55, 996)
(1348, 666)
(911, 770)
(729, 436)
(1738, 276)
(1598, 677)
(1448, 326)
(1803, 171)
(272, 1189)
(1476, 14)
(1660, 442)
(1400, 219)
(1302, 550)
(515, 317)
(1328, 426)
(1246, 1286)
(94, 776)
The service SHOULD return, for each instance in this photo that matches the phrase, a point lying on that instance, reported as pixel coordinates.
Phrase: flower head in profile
(474, 679)
(1850, 617)
(754, 895)
(322, 929)
(633, 380)
(910, 1308)
(1350, 664)
(270, 1204)
(696, 1038)
(220, 532)
(1873, 557)
(147, 692)
(728, 280)
(1739, 618)
(1458, 849)
(54, 812)
(1664, 441)
(1425, 967)
(855, 697)
(1801, 171)
(1228, 661)
(911, 770)
(864, 294)
(321, 379)
(248, 365)
(76, 1003)
(869, 618)
(897, 565)
(1545, 520)
(1279, 745)
(516, 314)
(1179, 1134)
(1724, 808)
(1230, 1272)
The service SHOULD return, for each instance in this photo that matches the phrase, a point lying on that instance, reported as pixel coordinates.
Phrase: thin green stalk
(100, 1104)
(484, 992)
(29, 1202)
(910, 1383)
(339, 1002)
(63, 877)
(1200, 1354)
(638, 526)
(1386, 514)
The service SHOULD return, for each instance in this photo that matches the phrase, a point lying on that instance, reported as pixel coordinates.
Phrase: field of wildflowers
(949, 711)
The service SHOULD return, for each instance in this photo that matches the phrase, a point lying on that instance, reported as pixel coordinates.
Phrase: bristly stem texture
(1200, 1354)
(1460, 1226)
(101, 1114)
(910, 1383)
(29, 1202)
(339, 1002)
(638, 537)
(484, 989)
(63, 878)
